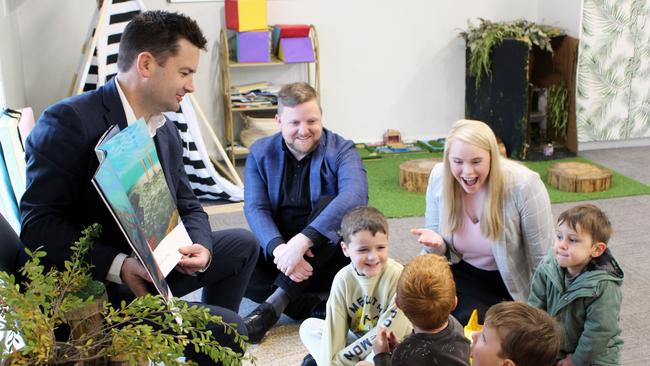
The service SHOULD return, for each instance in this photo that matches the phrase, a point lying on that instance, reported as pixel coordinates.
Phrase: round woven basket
(256, 128)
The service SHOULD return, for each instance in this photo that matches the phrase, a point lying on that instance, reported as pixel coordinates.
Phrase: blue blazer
(60, 199)
(336, 170)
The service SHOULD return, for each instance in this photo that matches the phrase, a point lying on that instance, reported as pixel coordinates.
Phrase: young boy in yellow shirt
(362, 297)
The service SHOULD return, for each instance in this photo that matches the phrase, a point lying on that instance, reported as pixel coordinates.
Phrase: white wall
(565, 14)
(11, 70)
(396, 65)
(52, 33)
(384, 64)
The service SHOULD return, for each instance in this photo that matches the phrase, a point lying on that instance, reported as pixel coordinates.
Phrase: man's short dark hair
(157, 32)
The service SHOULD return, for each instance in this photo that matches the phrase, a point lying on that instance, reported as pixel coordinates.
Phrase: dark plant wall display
(520, 80)
(482, 38)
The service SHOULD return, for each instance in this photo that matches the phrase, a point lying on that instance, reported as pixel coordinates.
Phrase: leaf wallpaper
(613, 86)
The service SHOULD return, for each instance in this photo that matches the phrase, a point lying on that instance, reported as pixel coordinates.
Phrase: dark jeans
(234, 255)
(327, 261)
(476, 289)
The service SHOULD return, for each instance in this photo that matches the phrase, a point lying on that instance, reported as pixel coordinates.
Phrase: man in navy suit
(299, 184)
(158, 56)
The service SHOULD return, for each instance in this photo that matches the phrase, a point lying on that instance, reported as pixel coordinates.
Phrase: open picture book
(131, 182)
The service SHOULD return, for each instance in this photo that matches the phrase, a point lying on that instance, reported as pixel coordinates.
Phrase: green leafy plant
(482, 38)
(558, 109)
(147, 328)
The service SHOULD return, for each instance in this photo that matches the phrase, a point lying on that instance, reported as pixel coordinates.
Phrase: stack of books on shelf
(257, 95)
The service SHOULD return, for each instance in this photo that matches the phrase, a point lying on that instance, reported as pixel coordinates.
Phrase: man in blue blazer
(299, 184)
(158, 55)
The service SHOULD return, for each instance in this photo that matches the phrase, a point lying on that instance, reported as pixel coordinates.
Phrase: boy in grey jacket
(579, 283)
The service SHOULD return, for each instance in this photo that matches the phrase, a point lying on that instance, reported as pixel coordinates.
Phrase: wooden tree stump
(579, 177)
(414, 174)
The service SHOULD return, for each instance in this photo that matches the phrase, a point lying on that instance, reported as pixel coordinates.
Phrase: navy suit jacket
(60, 199)
(336, 170)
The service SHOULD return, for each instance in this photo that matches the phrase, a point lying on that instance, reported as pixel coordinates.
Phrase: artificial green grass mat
(386, 194)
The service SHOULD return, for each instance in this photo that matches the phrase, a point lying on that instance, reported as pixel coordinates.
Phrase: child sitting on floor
(579, 283)
(516, 334)
(426, 293)
(362, 297)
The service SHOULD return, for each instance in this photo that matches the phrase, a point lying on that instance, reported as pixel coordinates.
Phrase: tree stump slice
(579, 177)
(414, 174)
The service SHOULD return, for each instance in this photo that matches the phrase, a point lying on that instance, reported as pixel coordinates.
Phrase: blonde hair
(480, 135)
(426, 291)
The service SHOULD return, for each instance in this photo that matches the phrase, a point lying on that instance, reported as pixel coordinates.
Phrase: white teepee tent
(100, 65)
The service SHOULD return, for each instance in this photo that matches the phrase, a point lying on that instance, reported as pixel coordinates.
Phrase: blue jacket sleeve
(257, 204)
(352, 184)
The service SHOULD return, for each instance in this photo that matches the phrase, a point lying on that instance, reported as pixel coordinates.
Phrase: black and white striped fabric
(103, 64)
(206, 183)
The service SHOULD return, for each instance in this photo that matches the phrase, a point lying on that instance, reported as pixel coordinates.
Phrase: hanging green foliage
(480, 40)
(558, 109)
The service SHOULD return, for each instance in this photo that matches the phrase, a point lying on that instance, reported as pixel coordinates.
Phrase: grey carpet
(630, 244)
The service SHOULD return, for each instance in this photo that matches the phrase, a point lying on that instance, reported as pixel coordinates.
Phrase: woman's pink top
(474, 247)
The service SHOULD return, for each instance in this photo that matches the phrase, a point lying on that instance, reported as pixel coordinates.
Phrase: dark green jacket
(588, 309)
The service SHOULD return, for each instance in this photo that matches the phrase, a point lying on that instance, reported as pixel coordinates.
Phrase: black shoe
(260, 321)
(308, 361)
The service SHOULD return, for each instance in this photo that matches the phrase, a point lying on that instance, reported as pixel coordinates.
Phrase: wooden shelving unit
(227, 64)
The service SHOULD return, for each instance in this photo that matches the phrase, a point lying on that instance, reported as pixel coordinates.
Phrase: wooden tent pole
(91, 49)
(203, 118)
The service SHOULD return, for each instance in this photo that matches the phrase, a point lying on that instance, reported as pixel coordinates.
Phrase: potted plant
(146, 329)
(482, 38)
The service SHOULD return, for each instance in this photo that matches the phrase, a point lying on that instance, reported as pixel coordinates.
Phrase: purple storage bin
(253, 46)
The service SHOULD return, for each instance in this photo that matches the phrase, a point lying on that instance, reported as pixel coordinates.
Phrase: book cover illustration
(131, 181)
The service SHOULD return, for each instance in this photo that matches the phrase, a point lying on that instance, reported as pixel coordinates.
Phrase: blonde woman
(489, 215)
